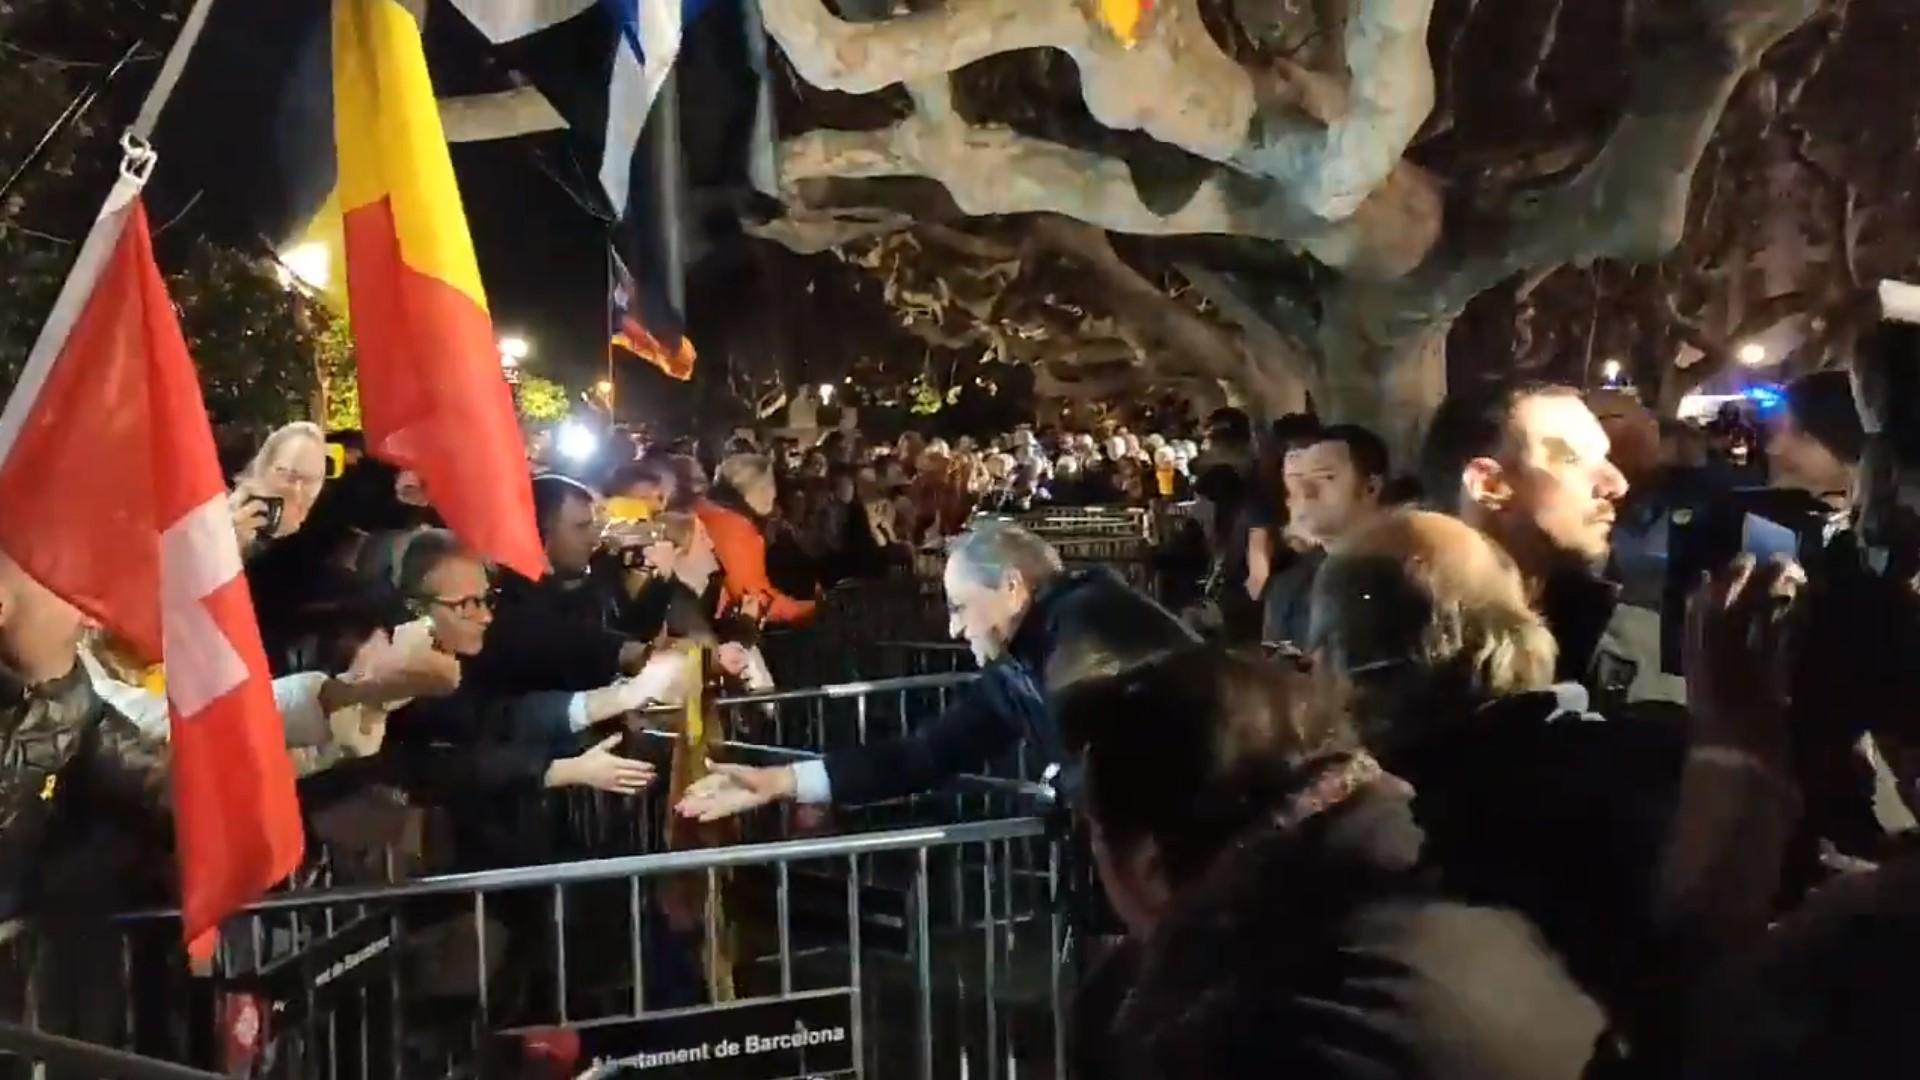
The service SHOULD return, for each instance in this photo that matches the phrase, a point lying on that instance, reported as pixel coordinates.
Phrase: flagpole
(606, 301)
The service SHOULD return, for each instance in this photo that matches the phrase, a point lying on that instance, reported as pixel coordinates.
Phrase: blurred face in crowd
(409, 489)
(648, 490)
(294, 473)
(1550, 495)
(1800, 462)
(572, 535)
(815, 466)
(984, 616)
(844, 488)
(762, 495)
(459, 601)
(697, 564)
(1326, 495)
(39, 632)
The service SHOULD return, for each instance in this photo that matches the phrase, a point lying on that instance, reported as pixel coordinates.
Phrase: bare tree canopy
(1293, 196)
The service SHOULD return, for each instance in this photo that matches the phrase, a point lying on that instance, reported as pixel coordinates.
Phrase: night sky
(230, 137)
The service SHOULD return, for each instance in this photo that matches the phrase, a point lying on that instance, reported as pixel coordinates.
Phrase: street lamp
(826, 393)
(309, 264)
(514, 349)
(605, 386)
(1752, 354)
(1610, 372)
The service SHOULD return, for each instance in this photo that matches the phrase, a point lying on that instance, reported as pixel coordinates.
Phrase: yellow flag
(1122, 18)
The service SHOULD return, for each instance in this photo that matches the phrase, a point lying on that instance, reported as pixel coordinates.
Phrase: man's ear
(1484, 484)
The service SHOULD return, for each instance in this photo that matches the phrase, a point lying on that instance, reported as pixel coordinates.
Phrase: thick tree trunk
(1269, 393)
(1385, 375)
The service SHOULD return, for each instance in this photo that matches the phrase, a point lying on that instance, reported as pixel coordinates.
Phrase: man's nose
(1612, 483)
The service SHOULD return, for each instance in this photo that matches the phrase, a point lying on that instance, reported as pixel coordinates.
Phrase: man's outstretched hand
(734, 789)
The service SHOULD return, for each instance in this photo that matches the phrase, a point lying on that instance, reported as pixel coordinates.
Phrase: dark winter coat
(1325, 951)
(1563, 816)
(547, 635)
(1086, 622)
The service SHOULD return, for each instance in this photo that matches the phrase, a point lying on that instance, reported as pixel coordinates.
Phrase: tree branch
(1175, 83)
(1282, 342)
(504, 115)
(995, 170)
(1630, 201)
(807, 230)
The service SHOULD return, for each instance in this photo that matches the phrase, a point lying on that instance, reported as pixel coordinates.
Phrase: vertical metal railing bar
(560, 950)
(853, 964)
(923, 961)
(783, 915)
(636, 930)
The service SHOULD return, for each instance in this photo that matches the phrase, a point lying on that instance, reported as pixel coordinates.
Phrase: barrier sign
(803, 1038)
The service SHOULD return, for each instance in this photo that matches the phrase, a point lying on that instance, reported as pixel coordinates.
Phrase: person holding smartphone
(278, 488)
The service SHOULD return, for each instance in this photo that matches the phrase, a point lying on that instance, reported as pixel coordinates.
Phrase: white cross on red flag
(114, 500)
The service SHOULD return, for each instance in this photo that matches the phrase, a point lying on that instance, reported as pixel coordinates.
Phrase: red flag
(115, 501)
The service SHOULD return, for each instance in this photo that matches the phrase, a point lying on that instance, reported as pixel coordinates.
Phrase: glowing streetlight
(826, 393)
(576, 441)
(605, 386)
(309, 264)
(1752, 354)
(1610, 371)
(514, 349)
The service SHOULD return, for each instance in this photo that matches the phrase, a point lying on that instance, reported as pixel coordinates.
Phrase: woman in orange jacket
(734, 514)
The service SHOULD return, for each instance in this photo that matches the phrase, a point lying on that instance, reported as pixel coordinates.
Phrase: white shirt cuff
(577, 718)
(298, 697)
(810, 782)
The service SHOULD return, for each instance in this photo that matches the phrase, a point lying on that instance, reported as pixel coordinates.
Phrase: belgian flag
(334, 107)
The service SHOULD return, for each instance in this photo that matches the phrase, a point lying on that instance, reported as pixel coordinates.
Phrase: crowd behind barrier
(601, 919)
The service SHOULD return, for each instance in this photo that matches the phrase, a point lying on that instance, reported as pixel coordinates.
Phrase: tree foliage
(542, 400)
(261, 356)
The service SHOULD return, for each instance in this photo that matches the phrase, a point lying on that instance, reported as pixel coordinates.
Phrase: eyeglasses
(296, 479)
(466, 607)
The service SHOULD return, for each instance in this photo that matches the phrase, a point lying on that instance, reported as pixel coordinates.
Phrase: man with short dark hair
(554, 634)
(1334, 485)
(1526, 463)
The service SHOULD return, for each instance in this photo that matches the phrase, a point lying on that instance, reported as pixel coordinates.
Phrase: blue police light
(1766, 397)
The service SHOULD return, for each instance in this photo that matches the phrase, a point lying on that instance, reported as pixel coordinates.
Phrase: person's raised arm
(1739, 801)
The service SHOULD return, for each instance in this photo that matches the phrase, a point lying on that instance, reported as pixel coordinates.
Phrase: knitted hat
(1822, 406)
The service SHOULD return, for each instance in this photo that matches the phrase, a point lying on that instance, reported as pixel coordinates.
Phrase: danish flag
(114, 500)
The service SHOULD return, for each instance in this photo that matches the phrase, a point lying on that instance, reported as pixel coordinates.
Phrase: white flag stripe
(507, 20)
(626, 114)
(631, 92)
(74, 294)
(198, 555)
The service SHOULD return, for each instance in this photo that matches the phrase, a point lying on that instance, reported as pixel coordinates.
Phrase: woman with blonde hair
(735, 514)
(277, 489)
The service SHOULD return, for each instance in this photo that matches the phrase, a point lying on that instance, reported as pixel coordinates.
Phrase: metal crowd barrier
(57, 1056)
(914, 952)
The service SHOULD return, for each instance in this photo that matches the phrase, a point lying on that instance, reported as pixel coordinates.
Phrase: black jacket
(1289, 601)
(1087, 622)
(547, 635)
(84, 819)
(484, 759)
(1563, 816)
(1325, 951)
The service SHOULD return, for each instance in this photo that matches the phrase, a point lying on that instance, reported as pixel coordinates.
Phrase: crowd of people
(1498, 765)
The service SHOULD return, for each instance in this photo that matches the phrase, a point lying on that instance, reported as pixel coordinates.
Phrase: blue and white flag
(573, 50)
